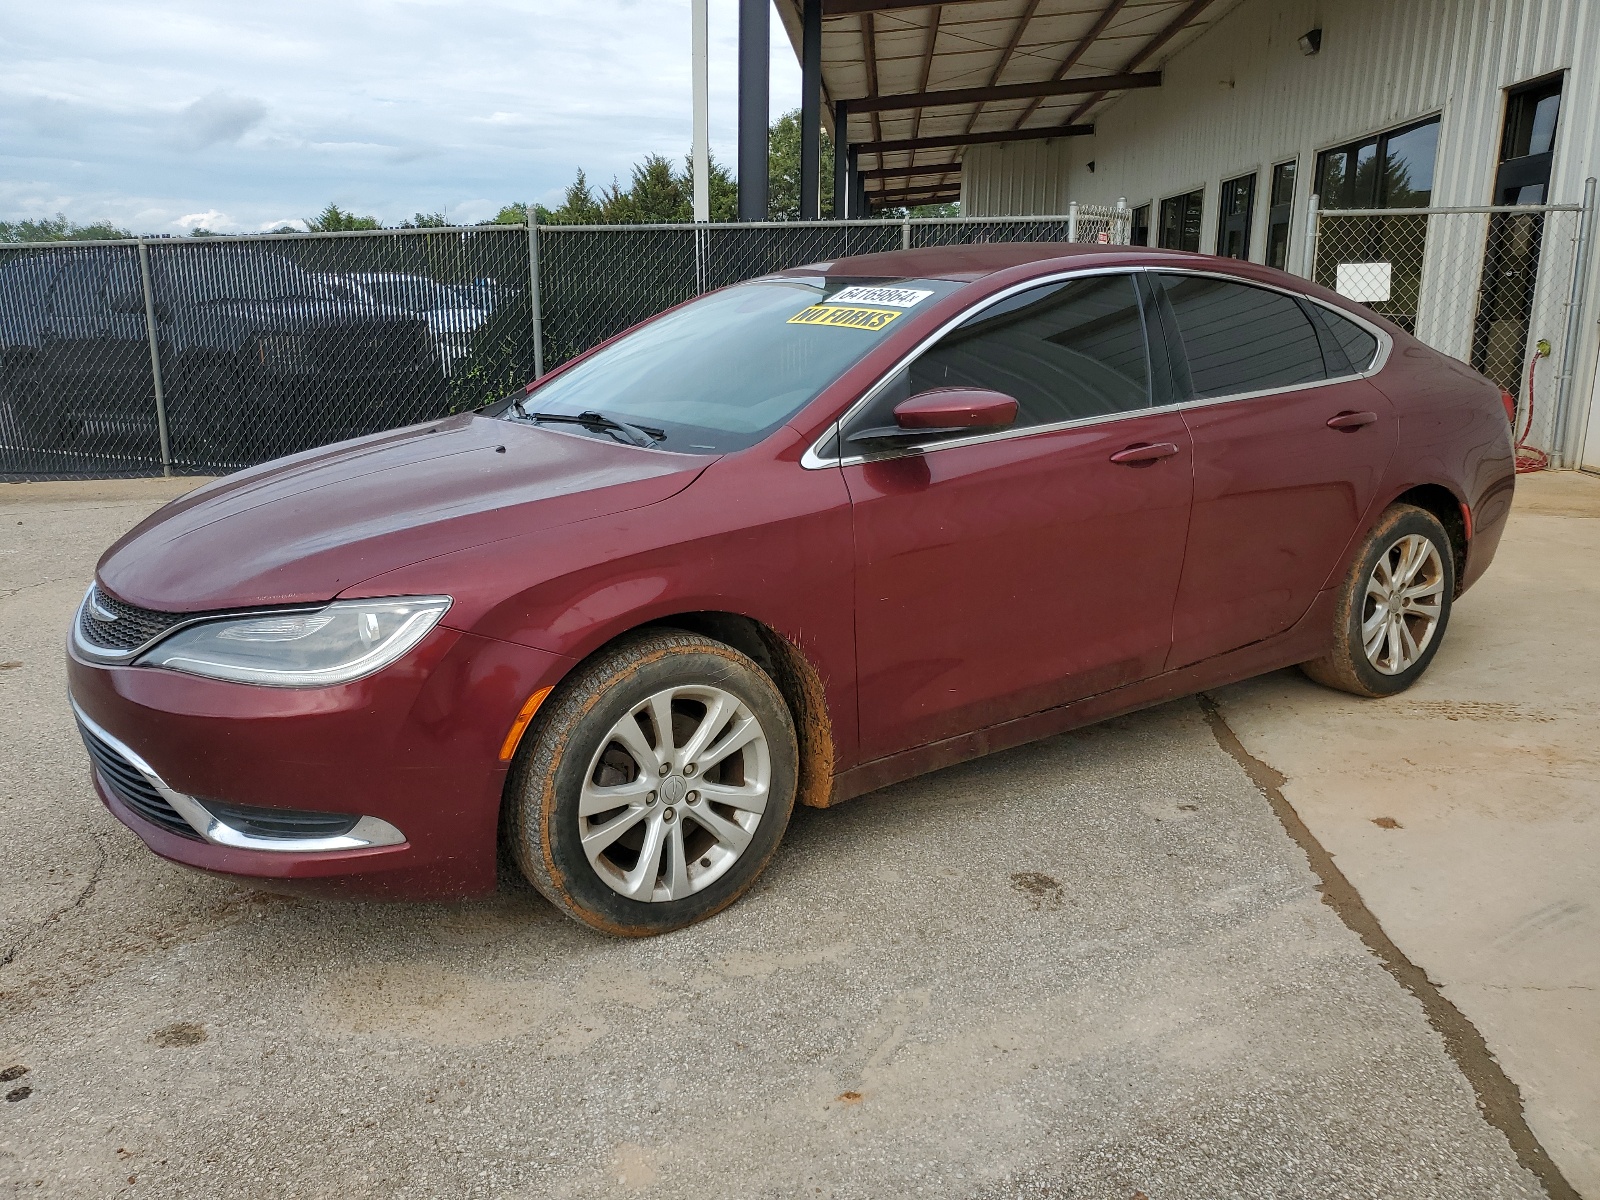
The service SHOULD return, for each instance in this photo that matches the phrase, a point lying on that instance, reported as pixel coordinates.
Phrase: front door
(1005, 574)
(1290, 444)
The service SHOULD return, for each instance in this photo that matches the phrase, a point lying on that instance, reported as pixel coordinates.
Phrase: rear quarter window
(1359, 346)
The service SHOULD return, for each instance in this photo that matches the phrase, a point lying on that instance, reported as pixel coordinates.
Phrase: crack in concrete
(26, 587)
(1498, 1096)
(75, 903)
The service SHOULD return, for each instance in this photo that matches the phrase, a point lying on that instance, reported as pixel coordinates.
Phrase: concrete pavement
(1096, 966)
(1467, 811)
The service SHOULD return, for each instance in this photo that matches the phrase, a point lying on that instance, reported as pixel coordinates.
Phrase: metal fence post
(1072, 221)
(533, 291)
(1308, 245)
(1121, 222)
(155, 357)
(905, 231)
(1569, 350)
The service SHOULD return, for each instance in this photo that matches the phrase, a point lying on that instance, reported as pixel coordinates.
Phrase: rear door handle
(1351, 421)
(1140, 453)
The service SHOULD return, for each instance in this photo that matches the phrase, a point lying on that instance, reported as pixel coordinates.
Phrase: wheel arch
(1450, 511)
(796, 677)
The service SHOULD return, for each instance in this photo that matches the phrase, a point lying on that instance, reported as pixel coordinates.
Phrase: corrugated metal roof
(893, 50)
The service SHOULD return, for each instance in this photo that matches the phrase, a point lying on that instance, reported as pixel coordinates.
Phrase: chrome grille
(128, 784)
(133, 627)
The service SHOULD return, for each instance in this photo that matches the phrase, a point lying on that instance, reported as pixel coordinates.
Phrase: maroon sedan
(791, 541)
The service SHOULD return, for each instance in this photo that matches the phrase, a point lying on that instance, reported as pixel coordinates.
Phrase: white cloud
(150, 112)
(213, 220)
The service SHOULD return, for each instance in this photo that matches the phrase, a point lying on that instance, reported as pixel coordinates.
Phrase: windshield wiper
(639, 435)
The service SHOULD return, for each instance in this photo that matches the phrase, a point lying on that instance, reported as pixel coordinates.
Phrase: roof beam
(949, 168)
(976, 139)
(848, 8)
(1168, 32)
(1107, 15)
(1082, 86)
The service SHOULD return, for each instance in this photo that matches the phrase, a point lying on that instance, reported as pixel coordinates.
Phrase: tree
(58, 229)
(783, 169)
(334, 219)
(422, 220)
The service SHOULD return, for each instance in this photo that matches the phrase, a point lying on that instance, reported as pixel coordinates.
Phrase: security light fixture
(1310, 42)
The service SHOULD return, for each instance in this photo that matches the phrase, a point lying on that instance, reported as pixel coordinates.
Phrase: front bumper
(413, 751)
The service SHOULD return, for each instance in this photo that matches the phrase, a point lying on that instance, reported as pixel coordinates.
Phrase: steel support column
(841, 160)
(811, 110)
(754, 82)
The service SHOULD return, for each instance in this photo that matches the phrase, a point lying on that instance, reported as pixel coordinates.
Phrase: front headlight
(311, 648)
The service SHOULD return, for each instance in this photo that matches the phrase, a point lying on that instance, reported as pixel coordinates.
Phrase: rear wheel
(1394, 607)
(656, 785)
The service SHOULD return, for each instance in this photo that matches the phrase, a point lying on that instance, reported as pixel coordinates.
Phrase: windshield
(232, 272)
(722, 372)
(411, 292)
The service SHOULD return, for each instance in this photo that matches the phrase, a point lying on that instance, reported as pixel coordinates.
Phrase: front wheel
(1393, 608)
(656, 785)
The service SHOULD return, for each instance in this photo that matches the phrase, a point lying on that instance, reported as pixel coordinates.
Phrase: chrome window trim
(367, 832)
(813, 459)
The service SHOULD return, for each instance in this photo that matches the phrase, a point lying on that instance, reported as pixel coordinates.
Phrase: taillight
(1510, 402)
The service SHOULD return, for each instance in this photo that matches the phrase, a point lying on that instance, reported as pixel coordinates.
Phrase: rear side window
(1359, 346)
(1239, 338)
(1065, 351)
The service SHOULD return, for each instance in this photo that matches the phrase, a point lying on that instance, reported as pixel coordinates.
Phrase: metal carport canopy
(1018, 70)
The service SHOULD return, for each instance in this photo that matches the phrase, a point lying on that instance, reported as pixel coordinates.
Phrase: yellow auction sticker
(849, 318)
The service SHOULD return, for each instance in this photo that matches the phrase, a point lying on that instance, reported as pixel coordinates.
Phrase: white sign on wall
(1366, 282)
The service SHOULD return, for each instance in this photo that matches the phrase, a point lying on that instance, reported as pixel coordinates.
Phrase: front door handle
(1142, 454)
(1351, 421)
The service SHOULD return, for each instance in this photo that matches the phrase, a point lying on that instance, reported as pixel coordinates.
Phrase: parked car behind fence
(273, 343)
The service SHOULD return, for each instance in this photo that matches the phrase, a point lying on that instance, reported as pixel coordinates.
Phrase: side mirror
(944, 410)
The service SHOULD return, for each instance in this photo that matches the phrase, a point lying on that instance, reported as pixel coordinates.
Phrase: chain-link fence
(597, 280)
(198, 356)
(1495, 287)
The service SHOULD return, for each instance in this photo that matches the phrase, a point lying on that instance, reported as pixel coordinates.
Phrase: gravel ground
(1091, 967)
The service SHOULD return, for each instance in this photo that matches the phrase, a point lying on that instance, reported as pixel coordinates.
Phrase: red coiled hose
(1529, 459)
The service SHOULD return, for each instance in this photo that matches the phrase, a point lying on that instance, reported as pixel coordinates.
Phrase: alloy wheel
(674, 793)
(1404, 600)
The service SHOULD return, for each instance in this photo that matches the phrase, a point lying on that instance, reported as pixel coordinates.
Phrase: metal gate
(1498, 287)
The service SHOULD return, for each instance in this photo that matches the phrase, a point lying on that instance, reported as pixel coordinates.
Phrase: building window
(1139, 231)
(1280, 214)
(1180, 221)
(1391, 170)
(1527, 145)
(1516, 239)
(1233, 216)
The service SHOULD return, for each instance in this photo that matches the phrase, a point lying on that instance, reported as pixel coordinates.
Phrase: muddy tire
(654, 785)
(1393, 609)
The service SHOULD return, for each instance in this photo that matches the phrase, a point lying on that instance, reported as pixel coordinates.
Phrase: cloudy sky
(161, 115)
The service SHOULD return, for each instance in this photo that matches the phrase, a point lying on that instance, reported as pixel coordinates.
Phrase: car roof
(976, 260)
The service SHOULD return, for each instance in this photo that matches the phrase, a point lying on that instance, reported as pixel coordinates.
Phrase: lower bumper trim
(122, 770)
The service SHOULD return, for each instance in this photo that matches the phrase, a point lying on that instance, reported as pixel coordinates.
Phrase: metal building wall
(1243, 97)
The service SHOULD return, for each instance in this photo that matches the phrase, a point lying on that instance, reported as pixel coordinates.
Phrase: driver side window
(1066, 351)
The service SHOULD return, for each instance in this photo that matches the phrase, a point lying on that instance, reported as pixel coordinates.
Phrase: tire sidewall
(546, 839)
(1402, 522)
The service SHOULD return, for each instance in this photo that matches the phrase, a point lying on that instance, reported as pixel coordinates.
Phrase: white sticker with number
(893, 297)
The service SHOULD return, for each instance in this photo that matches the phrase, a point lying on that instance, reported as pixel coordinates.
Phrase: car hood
(303, 529)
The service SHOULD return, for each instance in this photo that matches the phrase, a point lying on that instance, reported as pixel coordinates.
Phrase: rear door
(1290, 443)
(1003, 574)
